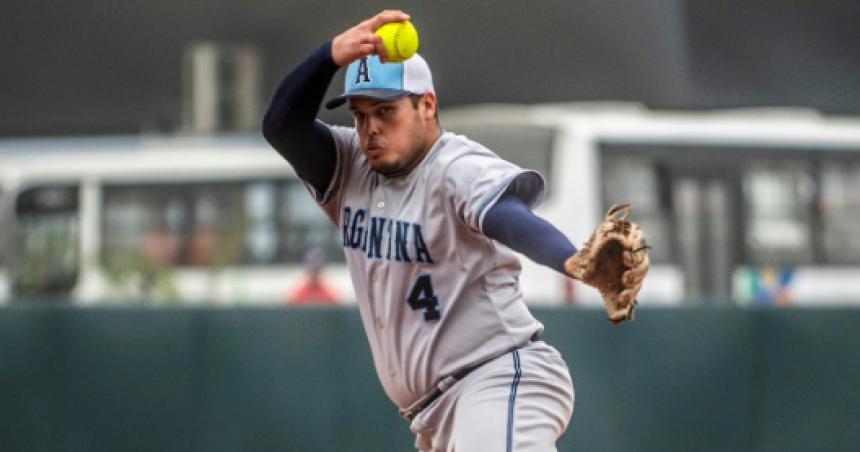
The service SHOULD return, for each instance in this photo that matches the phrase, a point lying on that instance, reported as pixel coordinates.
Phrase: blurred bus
(191, 219)
(755, 206)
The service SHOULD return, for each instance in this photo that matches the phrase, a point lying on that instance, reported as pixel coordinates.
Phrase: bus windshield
(47, 224)
(840, 211)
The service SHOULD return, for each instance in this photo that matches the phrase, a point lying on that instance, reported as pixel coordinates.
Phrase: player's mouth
(374, 150)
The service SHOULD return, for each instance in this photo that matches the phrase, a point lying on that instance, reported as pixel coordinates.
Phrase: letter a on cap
(362, 71)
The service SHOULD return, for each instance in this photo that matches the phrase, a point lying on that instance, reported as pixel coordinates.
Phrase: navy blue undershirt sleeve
(512, 223)
(290, 124)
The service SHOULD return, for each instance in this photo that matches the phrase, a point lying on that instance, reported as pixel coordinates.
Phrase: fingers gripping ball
(400, 40)
(615, 261)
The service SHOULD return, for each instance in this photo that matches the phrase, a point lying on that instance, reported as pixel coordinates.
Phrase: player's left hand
(615, 262)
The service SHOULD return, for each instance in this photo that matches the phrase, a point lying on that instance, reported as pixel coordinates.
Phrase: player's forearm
(511, 222)
(290, 124)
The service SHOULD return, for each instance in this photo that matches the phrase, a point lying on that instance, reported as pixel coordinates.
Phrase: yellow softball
(400, 39)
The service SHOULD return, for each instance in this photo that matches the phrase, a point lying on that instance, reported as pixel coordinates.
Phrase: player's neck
(432, 137)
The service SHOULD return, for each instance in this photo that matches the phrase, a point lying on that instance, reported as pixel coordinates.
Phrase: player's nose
(374, 126)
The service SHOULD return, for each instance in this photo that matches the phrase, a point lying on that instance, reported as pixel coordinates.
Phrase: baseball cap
(369, 77)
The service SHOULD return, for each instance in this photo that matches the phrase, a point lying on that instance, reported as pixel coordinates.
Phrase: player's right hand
(359, 41)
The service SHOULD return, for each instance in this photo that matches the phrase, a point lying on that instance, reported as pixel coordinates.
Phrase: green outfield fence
(277, 379)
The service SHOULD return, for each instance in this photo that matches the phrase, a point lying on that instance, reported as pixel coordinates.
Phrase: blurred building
(109, 68)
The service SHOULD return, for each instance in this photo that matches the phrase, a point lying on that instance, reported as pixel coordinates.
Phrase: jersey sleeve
(345, 146)
(475, 182)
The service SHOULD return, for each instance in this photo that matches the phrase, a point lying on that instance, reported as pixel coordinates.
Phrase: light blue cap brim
(372, 93)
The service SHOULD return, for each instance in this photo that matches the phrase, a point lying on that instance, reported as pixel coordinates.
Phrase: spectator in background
(160, 247)
(313, 289)
(766, 284)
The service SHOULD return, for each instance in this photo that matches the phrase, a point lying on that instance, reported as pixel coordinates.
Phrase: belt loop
(446, 383)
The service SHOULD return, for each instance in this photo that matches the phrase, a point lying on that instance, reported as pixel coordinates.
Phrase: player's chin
(385, 167)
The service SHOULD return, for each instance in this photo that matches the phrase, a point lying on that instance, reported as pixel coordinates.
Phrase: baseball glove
(614, 261)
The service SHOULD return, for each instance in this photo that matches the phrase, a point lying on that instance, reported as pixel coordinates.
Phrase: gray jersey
(435, 294)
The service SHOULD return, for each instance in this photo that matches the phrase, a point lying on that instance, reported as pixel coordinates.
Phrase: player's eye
(385, 111)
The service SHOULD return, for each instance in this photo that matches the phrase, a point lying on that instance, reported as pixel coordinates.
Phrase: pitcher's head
(393, 106)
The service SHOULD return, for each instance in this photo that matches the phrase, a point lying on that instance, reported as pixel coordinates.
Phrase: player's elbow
(284, 136)
(271, 127)
(284, 130)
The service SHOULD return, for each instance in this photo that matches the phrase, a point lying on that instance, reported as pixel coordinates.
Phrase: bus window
(47, 249)
(167, 225)
(304, 227)
(525, 145)
(778, 199)
(637, 181)
(211, 224)
(2, 226)
(261, 234)
(840, 212)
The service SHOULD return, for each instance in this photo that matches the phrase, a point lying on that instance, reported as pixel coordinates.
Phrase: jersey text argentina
(377, 236)
(435, 295)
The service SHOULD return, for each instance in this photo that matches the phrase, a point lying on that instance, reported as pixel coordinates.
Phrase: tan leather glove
(615, 261)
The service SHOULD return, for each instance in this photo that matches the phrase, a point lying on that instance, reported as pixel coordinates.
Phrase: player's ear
(429, 102)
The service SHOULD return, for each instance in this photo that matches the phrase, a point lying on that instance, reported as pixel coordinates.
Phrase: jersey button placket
(381, 195)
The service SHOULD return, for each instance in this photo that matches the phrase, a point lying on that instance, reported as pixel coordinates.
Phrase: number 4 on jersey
(422, 297)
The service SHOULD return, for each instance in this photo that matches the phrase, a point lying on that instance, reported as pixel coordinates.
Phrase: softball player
(428, 221)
